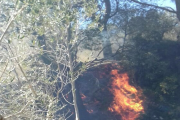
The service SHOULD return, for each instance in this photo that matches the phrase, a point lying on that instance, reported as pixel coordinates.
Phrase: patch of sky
(167, 3)
(162, 3)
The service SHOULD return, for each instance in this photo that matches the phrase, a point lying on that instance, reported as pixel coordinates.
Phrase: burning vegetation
(112, 97)
(126, 101)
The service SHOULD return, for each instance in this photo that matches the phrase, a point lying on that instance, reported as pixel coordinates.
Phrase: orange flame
(83, 96)
(126, 97)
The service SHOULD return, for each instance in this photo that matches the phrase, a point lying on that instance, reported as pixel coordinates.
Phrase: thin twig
(22, 110)
(67, 100)
(4, 70)
(10, 21)
(30, 86)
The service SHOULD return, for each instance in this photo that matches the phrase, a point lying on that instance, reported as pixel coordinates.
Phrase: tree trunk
(107, 50)
(178, 9)
(75, 101)
(83, 114)
(71, 73)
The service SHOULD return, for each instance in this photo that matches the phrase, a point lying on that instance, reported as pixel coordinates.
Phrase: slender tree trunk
(84, 115)
(107, 50)
(178, 9)
(71, 74)
(49, 111)
(75, 101)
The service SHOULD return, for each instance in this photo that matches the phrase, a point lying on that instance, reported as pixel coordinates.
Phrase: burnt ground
(93, 94)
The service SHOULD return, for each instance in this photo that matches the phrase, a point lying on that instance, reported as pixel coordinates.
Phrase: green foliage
(169, 84)
(156, 71)
(153, 62)
(151, 24)
(54, 29)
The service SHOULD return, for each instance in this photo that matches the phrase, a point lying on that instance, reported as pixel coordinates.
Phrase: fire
(88, 105)
(83, 97)
(90, 111)
(126, 100)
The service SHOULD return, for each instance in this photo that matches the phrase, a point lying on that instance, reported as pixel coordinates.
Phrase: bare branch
(4, 70)
(117, 6)
(155, 6)
(22, 110)
(13, 17)
(30, 86)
